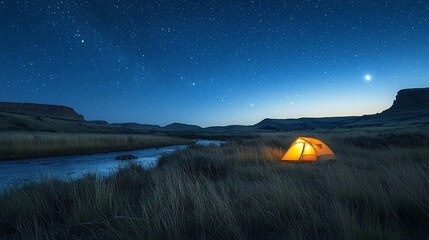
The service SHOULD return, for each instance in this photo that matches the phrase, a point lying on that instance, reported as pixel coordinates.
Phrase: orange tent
(308, 149)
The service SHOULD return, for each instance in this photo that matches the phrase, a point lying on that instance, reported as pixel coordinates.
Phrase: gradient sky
(212, 62)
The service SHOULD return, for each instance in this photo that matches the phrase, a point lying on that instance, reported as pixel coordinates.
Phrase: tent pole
(302, 152)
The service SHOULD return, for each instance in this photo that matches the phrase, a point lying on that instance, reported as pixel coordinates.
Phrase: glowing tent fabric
(308, 149)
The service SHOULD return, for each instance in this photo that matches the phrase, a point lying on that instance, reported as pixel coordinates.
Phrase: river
(72, 167)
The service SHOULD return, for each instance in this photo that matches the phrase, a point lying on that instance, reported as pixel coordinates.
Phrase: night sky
(212, 62)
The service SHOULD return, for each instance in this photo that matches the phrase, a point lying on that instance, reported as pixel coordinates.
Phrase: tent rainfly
(308, 149)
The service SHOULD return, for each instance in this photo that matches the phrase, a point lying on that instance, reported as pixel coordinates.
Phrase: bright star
(368, 77)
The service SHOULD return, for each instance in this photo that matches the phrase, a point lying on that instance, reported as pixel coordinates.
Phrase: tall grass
(238, 191)
(16, 145)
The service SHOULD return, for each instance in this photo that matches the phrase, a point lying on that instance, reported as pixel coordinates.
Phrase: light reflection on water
(72, 167)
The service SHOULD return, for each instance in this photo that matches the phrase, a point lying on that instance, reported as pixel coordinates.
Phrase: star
(368, 77)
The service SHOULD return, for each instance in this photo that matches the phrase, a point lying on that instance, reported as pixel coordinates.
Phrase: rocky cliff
(45, 110)
(411, 99)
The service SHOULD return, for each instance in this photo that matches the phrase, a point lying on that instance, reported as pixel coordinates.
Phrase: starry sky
(212, 62)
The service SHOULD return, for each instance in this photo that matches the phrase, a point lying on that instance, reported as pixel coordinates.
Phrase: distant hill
(138, 126)
(181, 127)
(52, 118)
(305, 123)
(44, 110)
(410, 108)
(101, 122)
(22, 122)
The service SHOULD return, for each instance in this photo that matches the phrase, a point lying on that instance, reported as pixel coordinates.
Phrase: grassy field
(378, 188)
(17, 145)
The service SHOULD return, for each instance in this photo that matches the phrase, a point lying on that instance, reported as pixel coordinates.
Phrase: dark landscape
(376, 189)
(35, 130)
(214, 119)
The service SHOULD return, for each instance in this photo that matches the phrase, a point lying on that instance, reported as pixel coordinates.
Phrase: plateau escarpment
(44, 110)
(411, 99)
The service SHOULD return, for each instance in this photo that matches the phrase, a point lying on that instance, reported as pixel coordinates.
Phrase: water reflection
(71, 167)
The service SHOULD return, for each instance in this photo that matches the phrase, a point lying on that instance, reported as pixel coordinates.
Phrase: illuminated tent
(308, 149)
